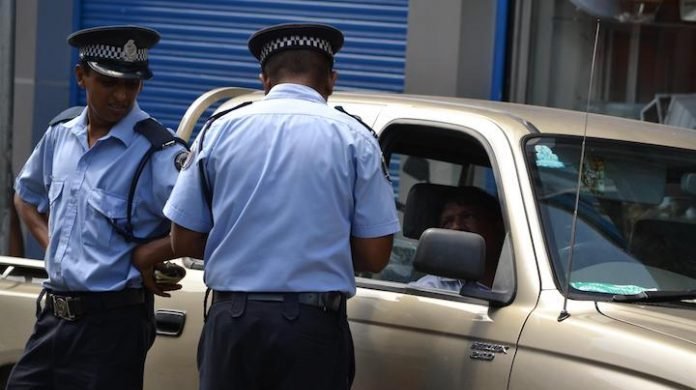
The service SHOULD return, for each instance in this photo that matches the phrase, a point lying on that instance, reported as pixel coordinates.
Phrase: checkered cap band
(107, 52)
(296, 41)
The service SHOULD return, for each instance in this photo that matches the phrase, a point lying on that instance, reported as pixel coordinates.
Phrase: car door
(20, 284)
(408, 337)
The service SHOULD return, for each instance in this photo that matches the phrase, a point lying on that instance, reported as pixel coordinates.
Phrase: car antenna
(564, 313)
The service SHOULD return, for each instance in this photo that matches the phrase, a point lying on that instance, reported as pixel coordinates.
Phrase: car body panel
(591, 350)
(431, 339)
(677, 322)
(18, 306)
(171, 355)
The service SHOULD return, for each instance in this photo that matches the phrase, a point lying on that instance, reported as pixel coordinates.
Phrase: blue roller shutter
(203, 43)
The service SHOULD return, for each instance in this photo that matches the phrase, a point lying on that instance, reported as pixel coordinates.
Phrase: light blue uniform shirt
(291, 179)
(81, 188)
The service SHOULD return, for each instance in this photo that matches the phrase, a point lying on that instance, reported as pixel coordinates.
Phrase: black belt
(330, 301)
(71, 306)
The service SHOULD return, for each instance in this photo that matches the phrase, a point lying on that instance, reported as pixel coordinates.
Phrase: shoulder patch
(180, 159)
(190, 156)
(69, 114)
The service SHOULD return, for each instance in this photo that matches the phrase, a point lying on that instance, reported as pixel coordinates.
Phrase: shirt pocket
(55, 191)
(104, 210)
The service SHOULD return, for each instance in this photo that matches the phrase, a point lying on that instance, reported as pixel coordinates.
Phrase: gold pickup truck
(595, 285)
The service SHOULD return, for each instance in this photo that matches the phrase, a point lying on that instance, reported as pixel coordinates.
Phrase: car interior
(427, 164)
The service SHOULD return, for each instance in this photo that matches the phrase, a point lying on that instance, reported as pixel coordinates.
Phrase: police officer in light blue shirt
(284, 199)
(92, 194)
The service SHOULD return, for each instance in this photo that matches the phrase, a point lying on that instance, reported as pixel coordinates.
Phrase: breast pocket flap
(111, 206)
(55, 190)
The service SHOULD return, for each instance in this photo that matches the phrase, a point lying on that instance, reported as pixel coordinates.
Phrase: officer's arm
(36, 222)
(188, 243)
(146, 257)
(16, 242)
(371, 254)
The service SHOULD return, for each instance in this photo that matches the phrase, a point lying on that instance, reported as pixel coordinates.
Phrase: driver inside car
(470, 209)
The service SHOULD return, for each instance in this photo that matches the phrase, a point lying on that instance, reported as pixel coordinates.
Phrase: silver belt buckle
(61, 308)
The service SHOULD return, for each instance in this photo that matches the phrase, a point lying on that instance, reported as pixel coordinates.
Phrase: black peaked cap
(268, 41)
(116, 51)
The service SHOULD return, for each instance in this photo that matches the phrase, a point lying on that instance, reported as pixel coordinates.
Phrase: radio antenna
(564, 313)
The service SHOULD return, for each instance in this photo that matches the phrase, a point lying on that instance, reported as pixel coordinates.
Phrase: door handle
(170, 322)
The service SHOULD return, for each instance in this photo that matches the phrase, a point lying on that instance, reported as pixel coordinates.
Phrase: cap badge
(130, 51)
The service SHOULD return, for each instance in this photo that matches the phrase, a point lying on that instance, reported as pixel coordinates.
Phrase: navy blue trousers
(100, 351)
(274, 345)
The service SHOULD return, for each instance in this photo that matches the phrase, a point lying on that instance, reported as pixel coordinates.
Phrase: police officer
(284, 199)
(96, 324)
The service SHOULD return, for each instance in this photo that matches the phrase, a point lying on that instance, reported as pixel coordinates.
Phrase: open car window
(443, 159)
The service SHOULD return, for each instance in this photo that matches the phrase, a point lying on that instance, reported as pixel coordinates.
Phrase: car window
(444, 164)
(636, 215)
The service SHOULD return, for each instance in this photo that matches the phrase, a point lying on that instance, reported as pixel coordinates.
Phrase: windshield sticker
(608, 288)
(593, 175)
(546, 158)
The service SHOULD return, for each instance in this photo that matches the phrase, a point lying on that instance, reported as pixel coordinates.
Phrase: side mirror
(451, 254)
(462, 255)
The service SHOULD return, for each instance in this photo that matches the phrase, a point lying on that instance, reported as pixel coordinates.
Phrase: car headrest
(425, 202)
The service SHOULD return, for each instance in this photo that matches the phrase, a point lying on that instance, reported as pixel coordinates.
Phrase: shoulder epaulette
(221, 113)
(357, 118)
(374, 134)
(159, 138)
(158, 135)
(70, 113)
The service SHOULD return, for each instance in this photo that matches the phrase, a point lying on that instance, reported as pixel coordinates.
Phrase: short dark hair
(85, 66)
(476, 197)
(298, 62)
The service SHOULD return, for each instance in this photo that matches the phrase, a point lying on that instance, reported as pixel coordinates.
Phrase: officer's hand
(147, 258)
(168, 273)
(150, 283)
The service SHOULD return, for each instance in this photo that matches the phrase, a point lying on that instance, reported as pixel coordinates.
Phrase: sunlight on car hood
(670, 321)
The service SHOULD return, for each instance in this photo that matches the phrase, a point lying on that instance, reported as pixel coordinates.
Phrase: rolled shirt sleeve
(32, 183)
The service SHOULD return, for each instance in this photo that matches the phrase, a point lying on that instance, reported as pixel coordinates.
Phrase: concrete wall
(42, 61)
(24, 69)
(42, 87)
(450, 47)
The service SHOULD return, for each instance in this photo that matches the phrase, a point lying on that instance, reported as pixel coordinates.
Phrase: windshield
(636, 218)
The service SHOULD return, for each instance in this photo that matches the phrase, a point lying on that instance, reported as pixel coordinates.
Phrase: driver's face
(462, 217)
(467, 218)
